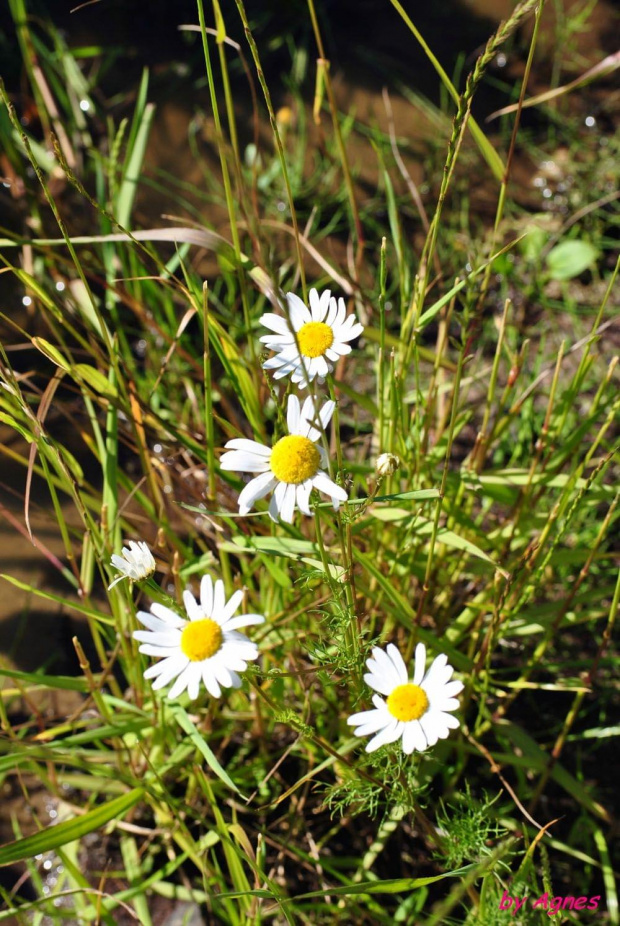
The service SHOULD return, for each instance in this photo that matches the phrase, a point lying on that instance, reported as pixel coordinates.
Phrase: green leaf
(94, 378)
(570, 258)
(188, 727)
(390, 886)
(66, 683)
(52, 353)
(54, 836)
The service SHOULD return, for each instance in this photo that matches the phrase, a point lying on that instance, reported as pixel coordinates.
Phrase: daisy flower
(292, 467)
(310, 341)
(206, 648)
(415, 710)
(136, 562)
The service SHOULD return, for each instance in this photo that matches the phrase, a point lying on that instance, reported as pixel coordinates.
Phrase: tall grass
(486, 368)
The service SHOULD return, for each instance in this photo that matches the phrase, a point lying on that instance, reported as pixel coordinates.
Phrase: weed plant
(486, 370)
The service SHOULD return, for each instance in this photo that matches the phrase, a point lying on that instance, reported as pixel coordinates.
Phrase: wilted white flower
(387, 463)
(206, 648)
(136, 562)
(310, 341)
(415, 710)
(292, 467)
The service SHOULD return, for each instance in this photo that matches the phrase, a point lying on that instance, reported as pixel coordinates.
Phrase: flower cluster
(205, 647)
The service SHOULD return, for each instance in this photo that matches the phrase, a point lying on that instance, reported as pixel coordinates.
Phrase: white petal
(167, 615)
(361, 717)
(221, 673)
(420, 662)
(273, 507)
(235, 681)
(181, 683)
(193, 680)
(166, 669)
(333, 311)
(219, 597)
(287, 506)
(298, 313)
(274, 322)
(340, 349)
(167, 638)
(379, 683)
(319, 305)
(385, 667)
(323, 483)
(413, 738)
(194, 611)
(152, 649)
(250, 446)
(153, 623)
(399, 663)
(326, 412)
(230, 607)
(243, 620)
(243, 462)
(278, 496)
(388, 735)
(210, 682)
(256, 489)
(303, 496)
(206, 595)
(376, 720)
(292, 414)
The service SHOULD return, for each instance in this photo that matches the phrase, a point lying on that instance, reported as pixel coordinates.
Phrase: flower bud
(386, 464)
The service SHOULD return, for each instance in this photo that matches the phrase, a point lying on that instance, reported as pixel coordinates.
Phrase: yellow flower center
(314, 338)
(201, 639)
(294, 459)
(407, 702)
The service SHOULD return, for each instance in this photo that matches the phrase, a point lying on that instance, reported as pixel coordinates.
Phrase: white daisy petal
(273, 508)
(166, 669)
(193, 681)
(323, 483)
(275, 322)
(376, 720)
(420, 662)
(292, 414)
(303, 497)
(244, 620)
(256, 489)
(206, 595)
(168, 638)
(210, 682)
(243, 462)
(298, 313)
(151, 649)
(378, 684)
(413, 738)
(219, 598)
(287, 508)
(181, 683)
(153, 623)
(387, 667)
(389, 734)
(194, 611)
(229, 609)
(250, 446)
(398, 663)
(167, 615)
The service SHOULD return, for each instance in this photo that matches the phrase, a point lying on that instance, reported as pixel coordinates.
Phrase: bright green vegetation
(487, 366)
